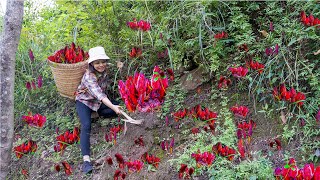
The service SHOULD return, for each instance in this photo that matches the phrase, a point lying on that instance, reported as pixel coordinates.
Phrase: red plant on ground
(238, 71)
(224, 151)
(223, 82)
(36, 120)
(119, 175)
(221, 35)
(167, 146)
(204, 159)
(243, 47)
(135, 52)
(151, 159)
(272, 51)
(109, 160)
(180, 114)
(241, 111)
(291, 171)
(67, 168)
(195, 130)
(185, 172)
(292, 95)
(67, 138)
(139, 141)
(309, 20)
(275, 142)
(120, 160)
(134, 166)
(256, 66)
(141, 25)
(245, 129)
(25, 148)
(112, 135)
(241, 148)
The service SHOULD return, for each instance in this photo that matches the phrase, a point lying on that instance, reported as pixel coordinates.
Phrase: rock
(192, 79)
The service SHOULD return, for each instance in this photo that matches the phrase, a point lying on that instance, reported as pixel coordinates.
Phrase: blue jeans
(84, 113)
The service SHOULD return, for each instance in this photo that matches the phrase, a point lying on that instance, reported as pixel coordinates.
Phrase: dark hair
(92, 69)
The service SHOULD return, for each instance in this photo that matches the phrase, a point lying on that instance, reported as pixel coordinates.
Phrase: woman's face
(100, 65)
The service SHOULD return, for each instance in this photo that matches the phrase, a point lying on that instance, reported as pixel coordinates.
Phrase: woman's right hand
(116, 109)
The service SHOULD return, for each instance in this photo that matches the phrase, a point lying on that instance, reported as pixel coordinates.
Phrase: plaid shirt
(91, 91)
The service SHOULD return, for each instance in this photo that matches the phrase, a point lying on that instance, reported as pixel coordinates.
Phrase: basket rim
(66, 66)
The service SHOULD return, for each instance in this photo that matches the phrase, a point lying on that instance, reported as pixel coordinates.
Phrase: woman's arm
(108, 103)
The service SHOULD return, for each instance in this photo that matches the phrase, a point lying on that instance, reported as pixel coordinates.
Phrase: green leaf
(286, 166)
(156, 79)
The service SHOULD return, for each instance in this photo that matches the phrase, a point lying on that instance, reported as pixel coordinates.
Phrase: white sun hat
(97, 53)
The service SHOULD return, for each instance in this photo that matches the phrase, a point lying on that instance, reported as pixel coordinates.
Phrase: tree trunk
(8, 46)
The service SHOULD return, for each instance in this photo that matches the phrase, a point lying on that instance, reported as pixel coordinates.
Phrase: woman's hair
(92, 69)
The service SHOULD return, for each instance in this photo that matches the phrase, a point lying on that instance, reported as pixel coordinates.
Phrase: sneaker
(87, 167)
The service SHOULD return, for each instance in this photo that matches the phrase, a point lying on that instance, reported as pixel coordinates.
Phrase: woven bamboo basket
(67, 77)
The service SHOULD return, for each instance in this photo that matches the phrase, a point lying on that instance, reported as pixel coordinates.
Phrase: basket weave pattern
(67, 77)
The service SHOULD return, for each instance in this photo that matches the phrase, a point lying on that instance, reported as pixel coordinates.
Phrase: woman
(91, 97)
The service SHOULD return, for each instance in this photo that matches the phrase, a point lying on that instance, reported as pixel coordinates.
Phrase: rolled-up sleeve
(94, 89)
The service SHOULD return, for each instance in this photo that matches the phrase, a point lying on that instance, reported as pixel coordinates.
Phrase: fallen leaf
(317, 153)
(119, 64)
(283, 117)
(316, 53)
(264, 33)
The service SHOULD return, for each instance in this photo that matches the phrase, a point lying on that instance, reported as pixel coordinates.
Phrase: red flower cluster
(291, 171)
(135, 52)
(210, 127)
(69, 55)
(224, 151)
(32, 85)
(25, 148)
(134, 166)
(109, 160)
(318, 115)
(36, 120)
(67, 138)
(119, 175)
(223, 82)
(243, 47)
(256, 66)
(204, 159)
(143, 94)
(113, 134)
(151, 159)
(163, 55)
(238, 71)
(245, 129)
(120, 160)
(241, 148)
(195, 130)
(67, 168)
(241, 111)
(270, 51)
(221, 35)
(31, 56)
(141, 25)
(275, 142)
(139, 141)
(196, 112)
(185, 172)
(309, 20)
(292, 95)
(167, 146)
